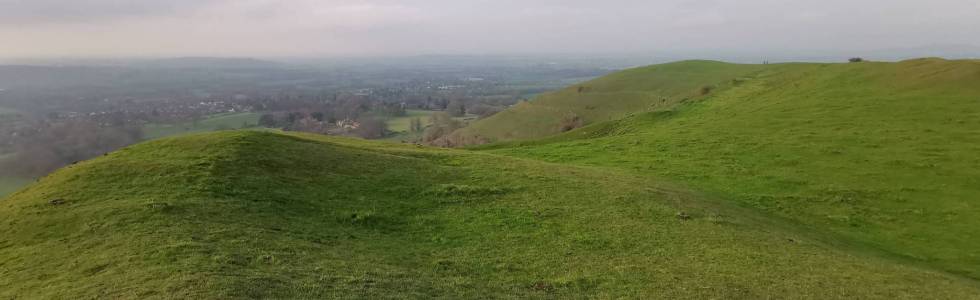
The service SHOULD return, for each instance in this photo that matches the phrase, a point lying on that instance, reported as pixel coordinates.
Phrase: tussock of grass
(459, 190)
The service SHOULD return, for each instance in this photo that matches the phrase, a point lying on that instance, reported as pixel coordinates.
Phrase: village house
(348, 124)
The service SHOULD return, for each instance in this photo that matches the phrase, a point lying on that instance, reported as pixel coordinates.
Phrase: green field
(400, 126)
(403, 124)
(212, 123)
(248, 214)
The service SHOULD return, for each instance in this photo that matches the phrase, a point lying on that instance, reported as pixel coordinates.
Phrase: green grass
(249, 214)
(400, 126)
(885, 155)
(212, 123)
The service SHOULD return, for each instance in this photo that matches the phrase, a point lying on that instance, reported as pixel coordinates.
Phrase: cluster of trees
(460, 105)
(440, 132)
(442, 124)
(49, 146)
(338, 114)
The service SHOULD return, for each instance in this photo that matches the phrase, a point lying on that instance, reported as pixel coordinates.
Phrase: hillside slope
(884, 154)
(607, 98)
(251, 214)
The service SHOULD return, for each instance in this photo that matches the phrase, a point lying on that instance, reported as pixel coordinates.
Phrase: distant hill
(252, 214)
(211, 63)
(947, 51)
(654, 88)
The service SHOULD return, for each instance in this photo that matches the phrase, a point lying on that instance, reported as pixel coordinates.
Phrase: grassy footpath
(884, 154)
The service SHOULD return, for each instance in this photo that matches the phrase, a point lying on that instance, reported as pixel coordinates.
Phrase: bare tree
(442, 125)
(456, 108)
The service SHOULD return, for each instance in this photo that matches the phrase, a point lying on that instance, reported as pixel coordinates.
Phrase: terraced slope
(886, 155)
(250, 214)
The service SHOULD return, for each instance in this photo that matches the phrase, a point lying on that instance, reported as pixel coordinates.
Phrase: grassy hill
(609, 98)
(10, 184)
(254, 214)
(886, 155)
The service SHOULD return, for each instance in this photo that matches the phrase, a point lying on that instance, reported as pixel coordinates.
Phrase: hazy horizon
(385, 28)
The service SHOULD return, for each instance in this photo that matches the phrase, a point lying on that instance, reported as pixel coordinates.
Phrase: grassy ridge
(263, 214)
(9, 185)
(886, 154)
(608, 98)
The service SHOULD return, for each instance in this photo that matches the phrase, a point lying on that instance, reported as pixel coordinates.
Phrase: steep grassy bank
(262, 214)
(886, 154)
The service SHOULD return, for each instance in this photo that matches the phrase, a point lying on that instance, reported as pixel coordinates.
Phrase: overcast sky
(270, 28)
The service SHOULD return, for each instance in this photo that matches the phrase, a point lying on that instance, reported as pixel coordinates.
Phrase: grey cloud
(28, 12)
(374, 27)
